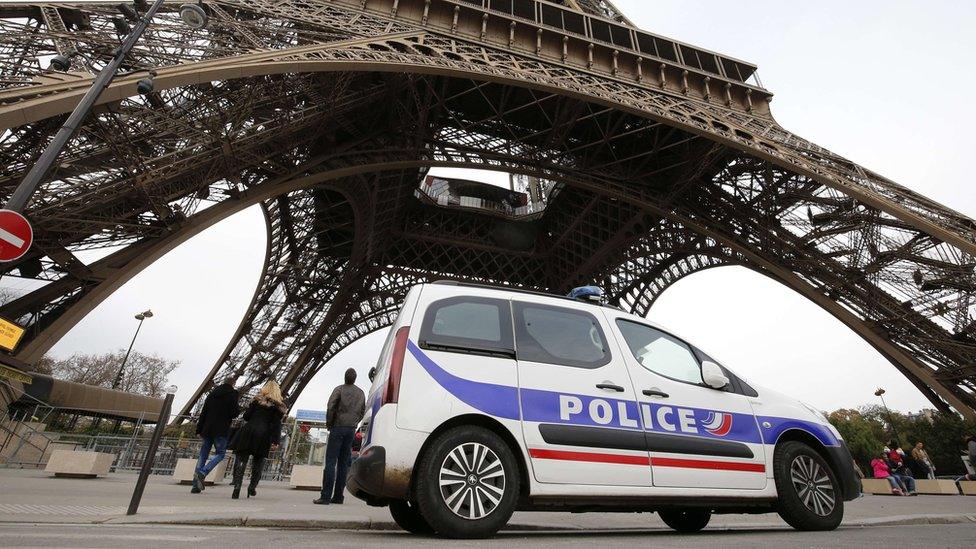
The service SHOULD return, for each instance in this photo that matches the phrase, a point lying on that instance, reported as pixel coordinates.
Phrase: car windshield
(660, 352)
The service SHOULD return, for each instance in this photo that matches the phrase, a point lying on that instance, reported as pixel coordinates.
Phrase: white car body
(639, 440)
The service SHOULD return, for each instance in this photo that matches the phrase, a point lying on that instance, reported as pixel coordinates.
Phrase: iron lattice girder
(659, 183)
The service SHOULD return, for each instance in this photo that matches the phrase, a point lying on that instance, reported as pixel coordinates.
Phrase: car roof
(617, 310)
(510, 290)
(513, 289)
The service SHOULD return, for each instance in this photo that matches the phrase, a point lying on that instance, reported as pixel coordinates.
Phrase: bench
(876, 486)
(306, 477)
(74, 464)
(183, 473)
(941, 487)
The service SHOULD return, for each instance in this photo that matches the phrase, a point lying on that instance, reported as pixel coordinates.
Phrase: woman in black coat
(260, 434)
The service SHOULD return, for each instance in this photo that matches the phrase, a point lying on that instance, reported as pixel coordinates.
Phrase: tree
(143, 374)
(870, 428)
(862, 435)
(7, 295)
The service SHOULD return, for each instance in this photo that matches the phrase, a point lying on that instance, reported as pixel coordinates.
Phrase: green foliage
(868, 429)
(862, 435)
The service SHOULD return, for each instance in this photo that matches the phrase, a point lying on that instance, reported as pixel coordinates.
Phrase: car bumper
(373, 482)
(843, 463)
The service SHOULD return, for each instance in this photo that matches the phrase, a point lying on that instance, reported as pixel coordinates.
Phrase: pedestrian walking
(213, 427)
(346, 409)
(260, 434)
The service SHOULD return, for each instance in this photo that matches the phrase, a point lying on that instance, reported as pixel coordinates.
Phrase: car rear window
(471, 324)
(556, 335)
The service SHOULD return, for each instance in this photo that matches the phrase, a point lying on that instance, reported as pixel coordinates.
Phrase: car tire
(407, 516)
(686, 521)
(467, 483)
(809, 493)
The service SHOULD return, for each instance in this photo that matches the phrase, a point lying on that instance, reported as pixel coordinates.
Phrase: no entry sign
(15, 235)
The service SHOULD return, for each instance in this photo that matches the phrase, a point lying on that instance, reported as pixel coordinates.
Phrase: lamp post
(193, 15)
(141, 317)
(880, 394)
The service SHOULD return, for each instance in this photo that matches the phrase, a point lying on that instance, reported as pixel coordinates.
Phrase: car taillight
(392, 393)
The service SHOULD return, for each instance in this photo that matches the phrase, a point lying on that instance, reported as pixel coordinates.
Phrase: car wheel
(407, 516)
(467, 483)
(809, 494)
(686, 521)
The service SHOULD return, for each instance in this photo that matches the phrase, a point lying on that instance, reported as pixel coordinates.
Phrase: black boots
(239, 466)
(198, 481)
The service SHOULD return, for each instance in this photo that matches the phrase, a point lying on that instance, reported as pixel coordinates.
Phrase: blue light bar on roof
(587, 293)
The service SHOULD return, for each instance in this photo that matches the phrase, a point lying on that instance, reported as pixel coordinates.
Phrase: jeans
(338, 451)
(219, 445)
(907, 480)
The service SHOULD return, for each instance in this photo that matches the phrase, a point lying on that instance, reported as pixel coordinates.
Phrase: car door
(697, 436)
(463, 361)
(579, 409)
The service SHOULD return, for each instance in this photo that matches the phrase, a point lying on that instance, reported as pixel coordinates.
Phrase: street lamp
(880, 394)
(140, 317)
(189, 13)
(194, 16)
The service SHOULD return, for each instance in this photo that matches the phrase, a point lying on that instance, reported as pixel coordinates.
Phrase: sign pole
(147, 463)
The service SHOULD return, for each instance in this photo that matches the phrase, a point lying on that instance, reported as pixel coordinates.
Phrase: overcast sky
(885, 83)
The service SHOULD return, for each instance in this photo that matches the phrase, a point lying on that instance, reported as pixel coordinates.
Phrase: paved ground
(77, 535)
(32, 496)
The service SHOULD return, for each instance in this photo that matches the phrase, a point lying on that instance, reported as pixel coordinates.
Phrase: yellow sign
(15, 375)
(10, 334)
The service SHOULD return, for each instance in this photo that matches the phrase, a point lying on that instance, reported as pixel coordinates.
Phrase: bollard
(147, 463)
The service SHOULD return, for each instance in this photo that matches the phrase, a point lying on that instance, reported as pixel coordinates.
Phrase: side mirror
(372, 374)
(713, 376)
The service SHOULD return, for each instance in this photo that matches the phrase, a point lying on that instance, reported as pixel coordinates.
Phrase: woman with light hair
(260, 434)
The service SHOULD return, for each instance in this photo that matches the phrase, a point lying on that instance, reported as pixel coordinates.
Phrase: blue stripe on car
(543, 406)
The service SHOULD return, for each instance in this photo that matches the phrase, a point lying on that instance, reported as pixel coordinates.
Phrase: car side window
(556, 335)
(661, 353)
(468, 324)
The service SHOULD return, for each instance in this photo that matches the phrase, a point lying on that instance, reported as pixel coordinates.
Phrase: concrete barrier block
(66, 463)
(968, 487)
(183, 473)
(306, 477)
(876, 486)
(936, 487)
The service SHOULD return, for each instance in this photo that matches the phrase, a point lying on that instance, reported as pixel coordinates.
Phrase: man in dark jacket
(213, 426)
(346, 409)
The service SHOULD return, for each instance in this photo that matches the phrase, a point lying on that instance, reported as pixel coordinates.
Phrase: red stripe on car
(707, 464)
(641, 460)
(588, 456)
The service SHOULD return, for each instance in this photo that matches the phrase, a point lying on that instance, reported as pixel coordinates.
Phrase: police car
(490, 400)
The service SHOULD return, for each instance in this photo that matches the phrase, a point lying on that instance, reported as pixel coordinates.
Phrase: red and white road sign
(16, 235)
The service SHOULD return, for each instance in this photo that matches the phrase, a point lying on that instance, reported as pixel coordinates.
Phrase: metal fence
(26, 442)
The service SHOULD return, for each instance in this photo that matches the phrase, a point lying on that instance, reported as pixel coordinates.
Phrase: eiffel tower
(634, 161)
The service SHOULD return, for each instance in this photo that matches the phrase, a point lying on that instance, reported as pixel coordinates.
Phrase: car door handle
(610, 387)
(655, 393)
